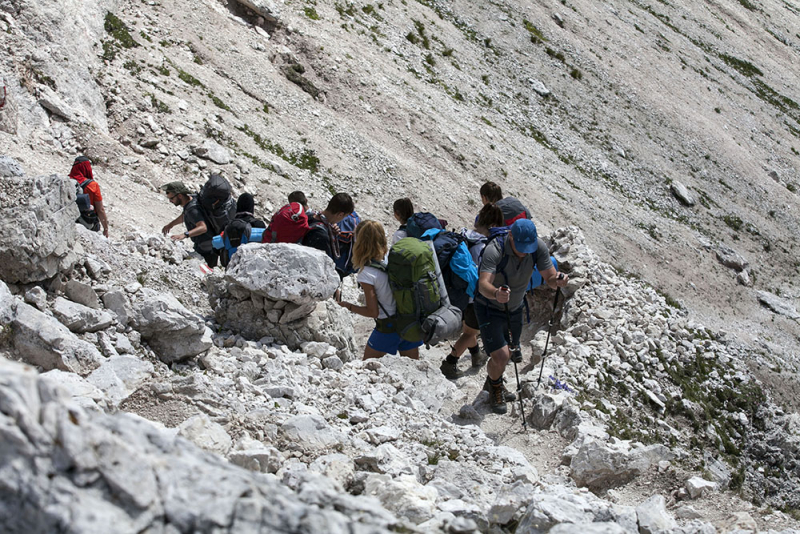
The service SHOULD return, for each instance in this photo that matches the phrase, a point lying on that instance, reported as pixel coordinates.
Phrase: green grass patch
(733, 221)
(744, 67)
(536, 35)
(305, 159)
(188, 78)
(311, 13)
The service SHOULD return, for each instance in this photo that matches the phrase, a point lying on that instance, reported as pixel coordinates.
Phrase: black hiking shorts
(494, 325)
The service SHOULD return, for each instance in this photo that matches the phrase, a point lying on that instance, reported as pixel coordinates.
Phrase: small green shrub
(744, 67)
(733, 221)
(555, 55)
(311, 13)
(575, 73)
(188, 78)
(536, 35)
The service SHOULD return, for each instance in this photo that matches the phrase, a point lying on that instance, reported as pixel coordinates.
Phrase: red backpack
(289, 225)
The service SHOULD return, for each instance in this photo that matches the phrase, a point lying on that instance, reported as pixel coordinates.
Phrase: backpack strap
(381, 266)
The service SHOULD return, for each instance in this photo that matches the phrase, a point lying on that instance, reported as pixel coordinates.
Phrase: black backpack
(87, 217)
(445, 244)
(421, 222)
(217, 203)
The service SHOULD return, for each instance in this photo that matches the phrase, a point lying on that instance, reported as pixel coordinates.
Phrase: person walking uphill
(323, 227)
(369, 250)
(90, 200)
(505, 271)
(192, 216)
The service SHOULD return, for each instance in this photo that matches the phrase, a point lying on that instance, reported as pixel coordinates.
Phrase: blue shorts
(390, 343)
(494, 326)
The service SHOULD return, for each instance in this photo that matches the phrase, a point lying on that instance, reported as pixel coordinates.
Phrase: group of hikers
(423, 278)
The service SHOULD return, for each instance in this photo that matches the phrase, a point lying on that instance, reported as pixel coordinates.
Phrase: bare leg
(369, 352)
(497, 362)
(413, 353)
(469, 338)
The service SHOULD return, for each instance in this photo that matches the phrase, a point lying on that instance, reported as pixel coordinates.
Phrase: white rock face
(404, 496)
(284, 272)
(206, 434)
(119, 376)
(283, 291)
(39, 243)
(682, 193)
(41, 340)
(146, 479)
(653, 516)
(172, 331)
(213, 151)
(79, 318)
(312, 431)
(698, 486)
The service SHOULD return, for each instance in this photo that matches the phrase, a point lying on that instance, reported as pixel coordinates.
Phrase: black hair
(341, 203)
(403, 208)
(492, 192)
(299, 197)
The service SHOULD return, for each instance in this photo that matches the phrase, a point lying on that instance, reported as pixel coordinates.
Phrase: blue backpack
(419, 223)
(446, 244)
(346, 238)
(236, 233)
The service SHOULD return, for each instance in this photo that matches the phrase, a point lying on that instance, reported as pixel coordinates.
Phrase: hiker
(403, 210)
(369, 250)
(345, 237)
(512, 208)
(192, 216)
(505, 272)
(245, 211)
(489, 217)
(244, 228)
(323, 231)
(90, 200)
(300, 198)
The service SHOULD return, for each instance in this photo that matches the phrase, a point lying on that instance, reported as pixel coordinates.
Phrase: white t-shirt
(399, 234)
(380, 281)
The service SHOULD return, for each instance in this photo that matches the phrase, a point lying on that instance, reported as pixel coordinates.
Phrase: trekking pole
(549, 329)
(516, 355)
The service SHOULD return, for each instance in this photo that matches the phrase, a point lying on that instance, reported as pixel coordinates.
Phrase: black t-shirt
(192, 216)
(250, 218)
(319, 238)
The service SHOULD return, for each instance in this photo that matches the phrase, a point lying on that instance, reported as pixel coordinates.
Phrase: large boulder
(79, 318)
(41, 340)
(654, 517)
(600, 465)
(284, 272)
(172, 331)
(65, 469)
(282, 291)
(38, 233)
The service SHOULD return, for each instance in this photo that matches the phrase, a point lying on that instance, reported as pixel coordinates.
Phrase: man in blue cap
(505, 271)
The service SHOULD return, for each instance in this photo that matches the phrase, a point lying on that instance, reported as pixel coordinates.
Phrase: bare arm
(488, 290)
(100, 210)
(174, 222)
(553, 278)
(371, 310)
(200, 229)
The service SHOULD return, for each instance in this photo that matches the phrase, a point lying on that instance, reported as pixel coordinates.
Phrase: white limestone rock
(206, 434)
(404, 496)
(79, 318)
(654, 517)
(698, 486)
(284, 272)
(119, 376)
(311, 431)
(41, 340)
(171, 330)
(36, 296)
(39, 243)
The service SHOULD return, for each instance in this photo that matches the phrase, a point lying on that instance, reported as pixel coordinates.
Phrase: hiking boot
(479, 357)
(497, 398)
(515, 354)
(450, 370)
(507, 395)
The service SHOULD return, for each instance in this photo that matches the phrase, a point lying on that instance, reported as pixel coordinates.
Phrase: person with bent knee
(369, 250)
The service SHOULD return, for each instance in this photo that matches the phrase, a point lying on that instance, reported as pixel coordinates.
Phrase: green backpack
(412, 277)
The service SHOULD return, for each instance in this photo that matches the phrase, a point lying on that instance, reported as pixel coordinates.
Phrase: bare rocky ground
(587, 112)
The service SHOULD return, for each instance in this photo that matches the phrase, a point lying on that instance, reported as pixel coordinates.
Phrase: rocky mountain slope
(665, 132)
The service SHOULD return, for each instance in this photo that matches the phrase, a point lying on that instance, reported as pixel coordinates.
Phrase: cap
(176, 188)
(525, 238)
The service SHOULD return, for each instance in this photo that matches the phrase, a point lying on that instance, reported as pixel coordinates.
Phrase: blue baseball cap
(525, 238)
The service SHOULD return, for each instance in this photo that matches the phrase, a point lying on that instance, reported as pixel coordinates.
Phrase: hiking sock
(451, 358)
(474, 350)
(496, 383)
